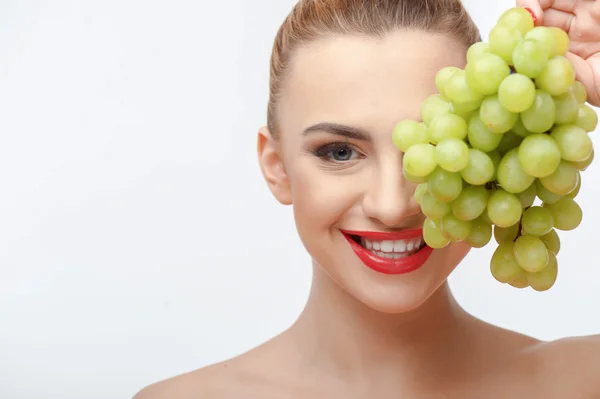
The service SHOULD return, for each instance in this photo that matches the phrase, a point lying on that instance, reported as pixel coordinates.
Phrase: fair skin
(362, 333)
(581, 19)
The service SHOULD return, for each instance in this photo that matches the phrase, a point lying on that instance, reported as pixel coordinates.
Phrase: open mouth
(390, 253)
(390, 249)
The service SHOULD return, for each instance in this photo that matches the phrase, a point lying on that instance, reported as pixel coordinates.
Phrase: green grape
(443, 75)
(562, 40)
(459, 92)
(567, 214)
(447, 126)
(563, 180)
(520, 282)
(520, 130)
(445, 186)
(455, 229)
(433, 208)
(480, 168)
(528, 196)
(484, 217)
(551, 241)
(546, 278)
(480, 137)
(504, 209)
(516, 93)
(573, 142)
(414, 179)
(537, 221)
(573, 193)
(578, 89)
(433, 234)
(476, 51)
(496, 118)
(486, 74)
(462, 110)
(511, 176)
(419, 160)
(539, 155)
(567, 108)
(408, 133)
(420, 191)
(581, 166)
(433, 106)
(545, 195)
(496, 157)
(480, 235)
(530, 253)
(503, 265)
(557, 77)
(518, 18)
(530, 58)
(471, 203)
(546, 38)
(503, 41)
(509, 141)
(586, 118)
(506, 234)
(540, 117)
(452, 154)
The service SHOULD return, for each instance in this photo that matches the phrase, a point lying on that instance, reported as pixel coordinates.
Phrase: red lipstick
(386, 265)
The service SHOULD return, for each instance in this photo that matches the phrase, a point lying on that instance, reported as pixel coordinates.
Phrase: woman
(342, 75)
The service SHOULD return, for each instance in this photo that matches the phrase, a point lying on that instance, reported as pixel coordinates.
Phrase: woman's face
(336, 163)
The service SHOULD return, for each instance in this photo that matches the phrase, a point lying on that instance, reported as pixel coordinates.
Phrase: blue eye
(342, 154)
(337, 152)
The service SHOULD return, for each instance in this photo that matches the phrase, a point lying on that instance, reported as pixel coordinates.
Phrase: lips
(391, 253)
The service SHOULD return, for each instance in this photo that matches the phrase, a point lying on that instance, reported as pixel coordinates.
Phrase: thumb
(535, 8)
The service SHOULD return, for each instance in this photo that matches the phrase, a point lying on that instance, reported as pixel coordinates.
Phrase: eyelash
(324, 152)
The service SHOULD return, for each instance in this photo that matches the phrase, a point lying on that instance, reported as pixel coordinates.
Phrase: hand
(581, 20)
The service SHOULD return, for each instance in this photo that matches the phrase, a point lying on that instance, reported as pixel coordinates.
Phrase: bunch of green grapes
(509, 129)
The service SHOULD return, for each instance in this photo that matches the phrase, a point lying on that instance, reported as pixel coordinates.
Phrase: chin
(401, 293)
(395, 293)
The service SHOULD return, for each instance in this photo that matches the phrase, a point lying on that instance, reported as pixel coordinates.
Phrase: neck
(336, 330)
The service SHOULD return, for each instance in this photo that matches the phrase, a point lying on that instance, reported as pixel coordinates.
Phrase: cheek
(321, 197)
(455, 253)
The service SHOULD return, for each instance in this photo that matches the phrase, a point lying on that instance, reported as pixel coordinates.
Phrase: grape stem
(491, 186)
(520, 229)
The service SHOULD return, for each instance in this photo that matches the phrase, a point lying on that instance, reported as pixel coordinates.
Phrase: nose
(389, 197)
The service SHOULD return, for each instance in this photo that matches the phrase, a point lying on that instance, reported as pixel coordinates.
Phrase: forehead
(365, 81)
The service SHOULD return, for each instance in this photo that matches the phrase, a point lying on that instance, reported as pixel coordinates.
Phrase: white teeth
(387, 246)
(393, 249)
(400, 246)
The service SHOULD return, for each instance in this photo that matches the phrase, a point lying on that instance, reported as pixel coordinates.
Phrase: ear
(272, 167)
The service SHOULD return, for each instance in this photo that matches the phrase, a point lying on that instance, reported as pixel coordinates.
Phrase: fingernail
(532, 15)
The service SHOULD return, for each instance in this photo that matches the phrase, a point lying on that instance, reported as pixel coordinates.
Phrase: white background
(137, 237)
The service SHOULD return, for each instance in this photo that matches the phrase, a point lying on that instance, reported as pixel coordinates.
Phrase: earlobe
(272, 167)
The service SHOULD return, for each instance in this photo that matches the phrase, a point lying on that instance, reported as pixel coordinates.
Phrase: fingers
(584, 72)
(561, 5)
(560, 19)
(535, 7)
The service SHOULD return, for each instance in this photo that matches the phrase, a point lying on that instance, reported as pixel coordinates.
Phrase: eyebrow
(338, 130)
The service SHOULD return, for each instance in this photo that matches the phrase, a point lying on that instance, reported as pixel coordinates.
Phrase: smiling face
(335, 161)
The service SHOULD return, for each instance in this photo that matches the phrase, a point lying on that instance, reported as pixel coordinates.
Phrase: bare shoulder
(252, 374)
(573, 362)
(214, 381)
(574, 352)
(256, 373)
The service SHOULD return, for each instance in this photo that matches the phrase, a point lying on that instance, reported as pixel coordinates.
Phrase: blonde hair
(312, 19)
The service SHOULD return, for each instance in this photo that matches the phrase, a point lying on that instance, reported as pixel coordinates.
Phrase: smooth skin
(364, 334)
(581, 20)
